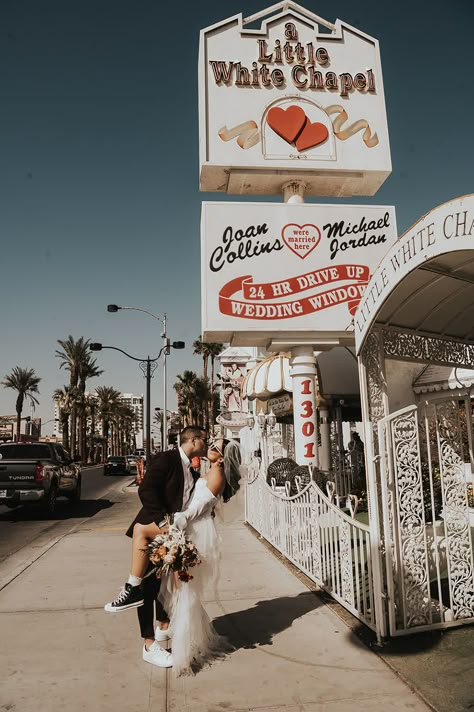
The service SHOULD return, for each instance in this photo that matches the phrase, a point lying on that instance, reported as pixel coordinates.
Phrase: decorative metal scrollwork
(416, 347)
(455, 509)
(411, 522)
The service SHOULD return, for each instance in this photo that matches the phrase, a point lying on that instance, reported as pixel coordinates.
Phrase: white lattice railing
(328, 546)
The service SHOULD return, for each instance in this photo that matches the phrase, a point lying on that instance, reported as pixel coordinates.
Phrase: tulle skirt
(195, 642)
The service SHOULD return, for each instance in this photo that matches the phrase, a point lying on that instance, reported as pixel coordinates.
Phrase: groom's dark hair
(190, 432)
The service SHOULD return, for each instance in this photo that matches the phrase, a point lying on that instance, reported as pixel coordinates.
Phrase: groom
(166, 488)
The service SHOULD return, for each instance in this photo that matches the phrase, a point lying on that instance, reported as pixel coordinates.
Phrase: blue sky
(99, 185)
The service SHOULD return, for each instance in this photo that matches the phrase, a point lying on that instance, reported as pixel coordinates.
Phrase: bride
(194, 639)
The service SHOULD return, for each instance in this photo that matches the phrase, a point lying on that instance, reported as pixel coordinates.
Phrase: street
(25, 532)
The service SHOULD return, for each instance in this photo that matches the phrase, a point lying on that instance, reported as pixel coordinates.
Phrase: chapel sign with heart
(293, 93)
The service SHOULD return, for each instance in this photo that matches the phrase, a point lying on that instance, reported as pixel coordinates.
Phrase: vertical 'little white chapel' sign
(288, 100)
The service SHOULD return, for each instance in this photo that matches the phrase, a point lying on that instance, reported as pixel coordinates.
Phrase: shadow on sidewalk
(257, 625)
(65, 510)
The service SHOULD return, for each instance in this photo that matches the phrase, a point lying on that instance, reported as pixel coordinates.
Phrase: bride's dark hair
(231, 465)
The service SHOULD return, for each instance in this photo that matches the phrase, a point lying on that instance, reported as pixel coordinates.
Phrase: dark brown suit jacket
(161, 490)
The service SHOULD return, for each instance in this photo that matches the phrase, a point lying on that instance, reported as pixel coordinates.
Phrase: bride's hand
(177, 580)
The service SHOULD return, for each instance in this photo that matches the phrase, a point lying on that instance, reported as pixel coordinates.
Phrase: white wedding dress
(194, 639)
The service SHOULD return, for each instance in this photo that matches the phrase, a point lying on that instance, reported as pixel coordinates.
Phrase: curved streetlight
(113, 308)
(147, 367)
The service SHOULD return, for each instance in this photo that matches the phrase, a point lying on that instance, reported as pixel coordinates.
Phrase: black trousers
(151, 606)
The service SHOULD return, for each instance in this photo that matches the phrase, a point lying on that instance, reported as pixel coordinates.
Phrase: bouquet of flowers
(173, 552)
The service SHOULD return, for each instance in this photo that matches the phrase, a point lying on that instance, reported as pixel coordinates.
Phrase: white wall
(400, 376)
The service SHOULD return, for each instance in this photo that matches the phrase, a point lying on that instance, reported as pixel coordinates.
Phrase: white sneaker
(156, 655)
(162, 635)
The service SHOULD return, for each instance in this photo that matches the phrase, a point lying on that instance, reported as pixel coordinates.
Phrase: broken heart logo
(301, 239)
(294, 127)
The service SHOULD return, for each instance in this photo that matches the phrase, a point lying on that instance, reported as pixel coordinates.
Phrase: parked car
(132, 462)
(38, 473)
(116, 465)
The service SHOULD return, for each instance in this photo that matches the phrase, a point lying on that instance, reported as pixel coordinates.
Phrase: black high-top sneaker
(129, 597)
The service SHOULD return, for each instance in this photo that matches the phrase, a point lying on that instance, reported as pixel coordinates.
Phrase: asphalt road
(23, 527)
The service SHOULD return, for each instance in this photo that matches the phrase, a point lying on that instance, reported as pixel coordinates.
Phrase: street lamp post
(165, 350)
(147, 367)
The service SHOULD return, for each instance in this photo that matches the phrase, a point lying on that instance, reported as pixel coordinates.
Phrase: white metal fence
(314, 534)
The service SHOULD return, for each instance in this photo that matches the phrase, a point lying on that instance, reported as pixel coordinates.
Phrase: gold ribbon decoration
(247, 134)
(368, 138)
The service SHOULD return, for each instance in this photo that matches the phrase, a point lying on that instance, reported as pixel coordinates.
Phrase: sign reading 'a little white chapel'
(279, 98)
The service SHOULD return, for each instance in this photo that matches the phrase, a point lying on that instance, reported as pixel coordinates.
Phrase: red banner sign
(256, 302)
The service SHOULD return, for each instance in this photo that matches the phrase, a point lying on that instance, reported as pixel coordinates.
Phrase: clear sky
(99, 185)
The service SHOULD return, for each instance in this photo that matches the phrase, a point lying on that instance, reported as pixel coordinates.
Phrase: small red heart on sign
(287, 123)
(301, 239)
(312, 135)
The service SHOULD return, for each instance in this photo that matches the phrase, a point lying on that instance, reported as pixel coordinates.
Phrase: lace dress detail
(195, 641)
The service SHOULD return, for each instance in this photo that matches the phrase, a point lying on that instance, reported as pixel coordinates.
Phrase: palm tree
(123, 418)
(193, 398)
(185, 387)
(214, 350)
(87, 369)
(208, 351)
(74, 356)
(200, 349)
(90, 416)
(108, 401)
(63, 398)
(25, 382)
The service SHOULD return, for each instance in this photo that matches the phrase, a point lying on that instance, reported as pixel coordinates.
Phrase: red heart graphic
(311, 135)
(301, 239)
(287, 123)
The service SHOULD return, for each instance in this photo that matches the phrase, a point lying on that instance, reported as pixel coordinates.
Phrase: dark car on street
(116, 465)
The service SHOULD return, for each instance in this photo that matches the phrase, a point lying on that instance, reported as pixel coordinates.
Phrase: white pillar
(325, 428)
(303, 375)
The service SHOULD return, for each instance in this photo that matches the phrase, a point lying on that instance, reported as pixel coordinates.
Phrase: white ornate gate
(312, 532)
(426, 454)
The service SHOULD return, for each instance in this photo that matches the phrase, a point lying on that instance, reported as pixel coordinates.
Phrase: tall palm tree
(108, 401)
(123, 418)
(73, 357)
(25, 382)
(87, 369)
(90, 418)
(214, 350)
(185, 387)
(193, 398)
(208, 351)
(63, 398)
(200, 349)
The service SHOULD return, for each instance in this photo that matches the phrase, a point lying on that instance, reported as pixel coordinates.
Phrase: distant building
(135, 402)
(30, 428)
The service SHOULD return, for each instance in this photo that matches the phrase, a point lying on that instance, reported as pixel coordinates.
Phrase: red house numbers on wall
(308, 419)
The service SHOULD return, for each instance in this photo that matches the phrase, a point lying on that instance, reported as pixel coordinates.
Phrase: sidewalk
(292, 653)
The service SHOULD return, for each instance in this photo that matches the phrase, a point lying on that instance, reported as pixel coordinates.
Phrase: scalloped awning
(337, 375)
(267, 378)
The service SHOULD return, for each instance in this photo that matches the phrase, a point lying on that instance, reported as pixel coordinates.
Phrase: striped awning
(337, 374)
(270, 376)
